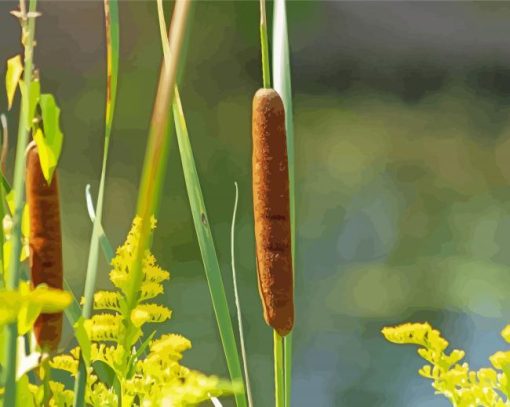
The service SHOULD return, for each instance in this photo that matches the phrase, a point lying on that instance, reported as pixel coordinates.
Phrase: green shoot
(203, 231)
(112, 51)
(28, 33)
(282, 84)
(207, 249)
(238, 302)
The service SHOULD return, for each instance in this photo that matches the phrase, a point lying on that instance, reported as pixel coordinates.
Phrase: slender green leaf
(238, 302)
(83, 340)
(282, 84)
(73, 312)
(108, 251)
(28, 28)
(112, 63)
(12, 77)
(207, 249)
(204, 235)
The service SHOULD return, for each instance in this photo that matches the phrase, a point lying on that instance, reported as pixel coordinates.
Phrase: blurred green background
(403, 171)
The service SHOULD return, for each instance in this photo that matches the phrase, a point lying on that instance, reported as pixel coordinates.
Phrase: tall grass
(112, 51)
(203, 231)
(282, 84)
(238, 301)
(13, 277)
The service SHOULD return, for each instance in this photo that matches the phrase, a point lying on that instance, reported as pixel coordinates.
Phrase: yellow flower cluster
(486, 387)
(119, 374)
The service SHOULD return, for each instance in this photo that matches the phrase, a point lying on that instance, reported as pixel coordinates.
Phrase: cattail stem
(264, 46)
(279, 383)
(28, 32)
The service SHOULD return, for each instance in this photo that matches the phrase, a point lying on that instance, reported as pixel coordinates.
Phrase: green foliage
(49, 143)
(486, 387)
(12, 77)
(117, 372)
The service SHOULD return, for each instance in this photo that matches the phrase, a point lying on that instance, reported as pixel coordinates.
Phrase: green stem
(112, 45)
(282, 84)
(264, 46)
(157, 147)
(3, 121)
(238, 302)
(28, 32)
(279, 384)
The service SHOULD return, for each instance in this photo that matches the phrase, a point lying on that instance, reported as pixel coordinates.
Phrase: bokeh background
(402, 120)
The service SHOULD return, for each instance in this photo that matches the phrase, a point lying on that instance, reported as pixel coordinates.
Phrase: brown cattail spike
(45, 245)
(271, 210)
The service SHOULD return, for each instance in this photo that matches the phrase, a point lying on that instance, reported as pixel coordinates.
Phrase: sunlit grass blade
(112, 51)
(204, 235)
(207, 249)
(13, 277)
(282, 84)
(238, 302)
(105, 244)
(73, 311)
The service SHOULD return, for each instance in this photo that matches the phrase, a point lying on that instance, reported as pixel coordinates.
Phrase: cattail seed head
(45, 242)
(271, 210)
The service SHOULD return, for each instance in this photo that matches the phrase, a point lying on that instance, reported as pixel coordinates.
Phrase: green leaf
(35, 91)
(12, 77)
(207, 249)
(51, 116)
(83, 340)
(46, 155)
(72, 312)
(49, 143)
(105, 372)
(24, 396)
(27, 315)
(282, 84)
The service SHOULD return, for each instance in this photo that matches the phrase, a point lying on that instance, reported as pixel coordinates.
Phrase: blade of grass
(282, 84)
(73, 312)
(204, 235)
(107, 248)
(207, 249)
(112, 62)
(28, 27)
(238, 302)
(5, 138)
(157, 147)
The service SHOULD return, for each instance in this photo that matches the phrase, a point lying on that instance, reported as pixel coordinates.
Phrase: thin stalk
(3, 156)
(112, 58)
(264, 46)
(207, 250)
(157, 147)
(156, 156)
(202, 229)
(238, 302)
(28, 33)
(282, 84)
(279, 385)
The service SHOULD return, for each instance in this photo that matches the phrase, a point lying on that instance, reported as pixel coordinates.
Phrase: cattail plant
(45, 241)
(271, 206)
